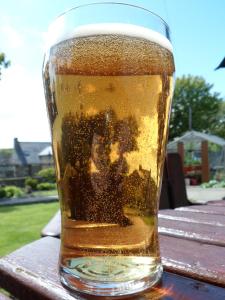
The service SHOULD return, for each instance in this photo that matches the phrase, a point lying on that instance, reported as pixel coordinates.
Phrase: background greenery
(44, 180)
(22, 224)
(208, 108)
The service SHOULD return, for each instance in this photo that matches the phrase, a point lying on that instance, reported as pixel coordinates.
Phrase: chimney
(19, 152)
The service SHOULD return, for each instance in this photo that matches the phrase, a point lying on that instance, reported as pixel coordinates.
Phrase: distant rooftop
(28, 152)
(196, 137)
(46, 151)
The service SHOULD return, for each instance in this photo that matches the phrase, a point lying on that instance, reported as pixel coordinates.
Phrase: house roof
(31, 151)
(46, 151)
(28, 152)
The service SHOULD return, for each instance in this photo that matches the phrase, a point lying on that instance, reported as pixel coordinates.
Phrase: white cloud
(23, 112)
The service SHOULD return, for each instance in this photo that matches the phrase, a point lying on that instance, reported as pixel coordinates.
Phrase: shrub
(46, 186)
(220, 175)
(13, 191)
(47, 175)
(2, 192)
(31, 182)
(213, 183)
(220, 184)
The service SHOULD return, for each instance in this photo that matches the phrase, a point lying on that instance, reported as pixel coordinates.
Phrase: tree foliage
(3, 62)
(47, 175)
(31, 183)
(195, 92)
(219, 127)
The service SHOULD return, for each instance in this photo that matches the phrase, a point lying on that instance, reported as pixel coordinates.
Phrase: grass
(22, 224)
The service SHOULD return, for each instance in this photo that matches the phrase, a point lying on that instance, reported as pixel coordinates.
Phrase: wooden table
(192, 242)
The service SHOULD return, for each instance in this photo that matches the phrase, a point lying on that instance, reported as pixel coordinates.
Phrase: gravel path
(31, 200)
(197, 194)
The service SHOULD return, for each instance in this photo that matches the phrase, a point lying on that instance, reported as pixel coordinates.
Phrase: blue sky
(197, 27)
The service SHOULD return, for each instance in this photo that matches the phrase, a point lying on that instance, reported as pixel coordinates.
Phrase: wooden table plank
(175, 227)
(53, 228)
(217, 203)
(190, 258)
(207, 209)
(193, 217)
(31, 273)
(194, 231)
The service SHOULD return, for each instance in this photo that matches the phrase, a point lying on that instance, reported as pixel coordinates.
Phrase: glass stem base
(103, 276)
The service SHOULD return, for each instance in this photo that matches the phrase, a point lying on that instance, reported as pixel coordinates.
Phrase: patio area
(197, 194)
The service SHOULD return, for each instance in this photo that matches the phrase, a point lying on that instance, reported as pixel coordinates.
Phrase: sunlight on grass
(22, 224)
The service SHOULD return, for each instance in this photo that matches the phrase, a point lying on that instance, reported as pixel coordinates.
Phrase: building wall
(7, 171)
(30, 170)
(46, 160)
(11, 171)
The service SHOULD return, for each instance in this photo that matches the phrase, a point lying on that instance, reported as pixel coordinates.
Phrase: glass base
(110, 275)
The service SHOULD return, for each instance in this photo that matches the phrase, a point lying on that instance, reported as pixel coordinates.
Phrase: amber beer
(108, 96)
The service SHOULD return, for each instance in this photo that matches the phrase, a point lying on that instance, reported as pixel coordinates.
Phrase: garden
(22, 224)
(42, 184)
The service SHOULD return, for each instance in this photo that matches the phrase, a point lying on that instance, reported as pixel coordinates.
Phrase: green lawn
(22, 224)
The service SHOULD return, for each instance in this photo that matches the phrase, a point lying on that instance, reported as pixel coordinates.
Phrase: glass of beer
(108, 80)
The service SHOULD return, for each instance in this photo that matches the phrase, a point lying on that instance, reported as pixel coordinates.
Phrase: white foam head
(110, 28)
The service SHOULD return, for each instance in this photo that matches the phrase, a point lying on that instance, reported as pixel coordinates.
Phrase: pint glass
(108, 80)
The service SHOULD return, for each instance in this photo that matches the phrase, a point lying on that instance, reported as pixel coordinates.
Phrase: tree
(3, 62)
(219, 127)
(195, 93)
(47, 175)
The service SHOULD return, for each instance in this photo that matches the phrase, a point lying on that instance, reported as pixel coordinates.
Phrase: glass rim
(116, 3)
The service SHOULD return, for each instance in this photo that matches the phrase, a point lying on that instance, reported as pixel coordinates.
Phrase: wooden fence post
(205, 161)
(180, 150)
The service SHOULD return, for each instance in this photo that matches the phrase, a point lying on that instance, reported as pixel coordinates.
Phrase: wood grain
(206, 209)
(195, 259)
(194, 231)
(192, 217)
(217, 202)
(30, 273)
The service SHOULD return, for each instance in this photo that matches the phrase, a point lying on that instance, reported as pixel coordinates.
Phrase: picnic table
(192, 243)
